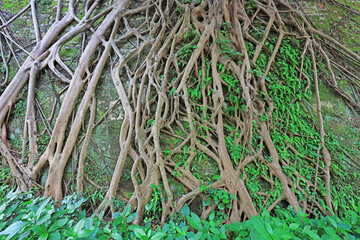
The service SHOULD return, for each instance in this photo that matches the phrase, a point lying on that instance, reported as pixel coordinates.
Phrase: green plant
(225, 43)
(221, 198)
(24, 216)
(153, 208)
(180, 160)
(4, 175)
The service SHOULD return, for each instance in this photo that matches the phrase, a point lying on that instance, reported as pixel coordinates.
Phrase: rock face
(339, 118)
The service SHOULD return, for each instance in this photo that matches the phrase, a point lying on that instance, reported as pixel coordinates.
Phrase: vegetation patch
(222, 112)
(25, 216)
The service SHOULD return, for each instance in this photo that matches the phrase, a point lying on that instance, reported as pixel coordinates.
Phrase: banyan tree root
(194, 75)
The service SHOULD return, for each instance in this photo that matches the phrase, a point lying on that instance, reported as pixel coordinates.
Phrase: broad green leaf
(116, 236)
(139, 233)
(226, 200)
(43, 204)
(354, 217)
(118, 221)
(44, 218)
(54, 236)
(101, 215)
(79, 226)
(131, 217)
(158, 236)
(13, 229)
(3, 224)
(84, 233)
(82, 215)
(10, 210)
(68, 233)
(194, 221)
(294, 226)
(43, 236)
(257, 224)
(215, 231)
(133, 227)
(89, 222)
(312, 234)
(332, 221)
(344, 226)
(235, 226)
(185, 211)
(127, 210)
(2, 208)
(332, 233)
(116, 215)
(283, 234)
(165, 228)
(39, 230)
(103, 237)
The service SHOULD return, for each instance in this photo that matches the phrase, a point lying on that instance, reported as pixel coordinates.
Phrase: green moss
(341, 23)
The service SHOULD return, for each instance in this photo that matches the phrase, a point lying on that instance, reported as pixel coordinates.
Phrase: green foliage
(220, 197)
(14, 7)
(185, 52)
(292, 120)
(289, 87)
(153, 208)
(4, 175)
(47, 3)
(24, 216)
(225, 43)
(291, 226)
(42, 140)
(70, 51)
(345, 197)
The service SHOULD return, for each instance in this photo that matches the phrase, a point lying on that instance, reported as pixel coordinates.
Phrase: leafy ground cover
(25, 216)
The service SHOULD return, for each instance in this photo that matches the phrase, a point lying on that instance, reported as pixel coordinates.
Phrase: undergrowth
(25, 216)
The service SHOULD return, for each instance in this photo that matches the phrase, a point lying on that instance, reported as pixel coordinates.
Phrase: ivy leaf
(221, 206)
(206, 202)
(148, 206)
